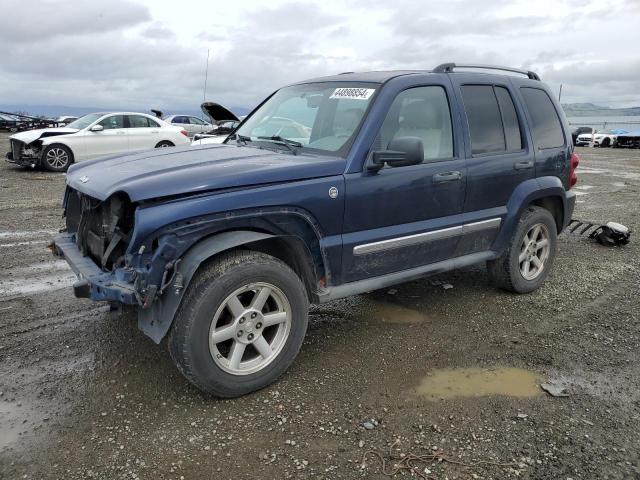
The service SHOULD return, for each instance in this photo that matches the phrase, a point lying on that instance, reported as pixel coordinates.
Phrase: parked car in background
(92, 136)
(606, 138)
(391, 176)
(579, 131)
(191, 124)
(64, 120)
(628, 140)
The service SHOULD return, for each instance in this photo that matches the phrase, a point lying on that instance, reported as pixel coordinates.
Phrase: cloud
(30, 21)
(126, 53)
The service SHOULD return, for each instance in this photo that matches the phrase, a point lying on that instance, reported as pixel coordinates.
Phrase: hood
(31, 135)
(188, 170)
(217, 112)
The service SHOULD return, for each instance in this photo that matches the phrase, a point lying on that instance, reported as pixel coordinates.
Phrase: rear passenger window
(421, 112)
(509, 119)
(485, 123)
(547, 129)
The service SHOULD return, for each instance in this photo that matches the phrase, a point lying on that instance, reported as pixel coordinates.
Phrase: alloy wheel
(534, 251)
(250, 328)
(57, 157)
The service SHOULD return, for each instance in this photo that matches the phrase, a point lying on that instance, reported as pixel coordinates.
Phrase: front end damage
(97, 246)
(23, 154)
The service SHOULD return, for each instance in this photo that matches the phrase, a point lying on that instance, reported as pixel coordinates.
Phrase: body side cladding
(535, 191)
(376, 283)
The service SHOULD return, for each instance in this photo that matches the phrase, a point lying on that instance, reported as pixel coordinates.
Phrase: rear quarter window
(546, 126)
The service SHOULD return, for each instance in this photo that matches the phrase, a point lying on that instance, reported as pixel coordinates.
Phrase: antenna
(206, 74)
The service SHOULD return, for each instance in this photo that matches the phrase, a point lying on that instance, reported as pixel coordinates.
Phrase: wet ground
(445, 371)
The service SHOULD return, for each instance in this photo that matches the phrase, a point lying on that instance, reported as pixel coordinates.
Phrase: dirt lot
(430, 370)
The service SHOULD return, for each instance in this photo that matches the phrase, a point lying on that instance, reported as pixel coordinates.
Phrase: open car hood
(217, 112)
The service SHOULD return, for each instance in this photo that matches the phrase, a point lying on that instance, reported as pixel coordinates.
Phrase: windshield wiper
(292, 145)
(241, 139)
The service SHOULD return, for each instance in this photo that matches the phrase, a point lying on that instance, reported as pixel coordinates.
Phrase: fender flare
(156, 320)
(526, 193)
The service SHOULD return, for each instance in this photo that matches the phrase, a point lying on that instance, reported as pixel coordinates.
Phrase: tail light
(184, 132)
(574, 161)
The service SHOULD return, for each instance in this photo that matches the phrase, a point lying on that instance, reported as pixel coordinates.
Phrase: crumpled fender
(156, 320)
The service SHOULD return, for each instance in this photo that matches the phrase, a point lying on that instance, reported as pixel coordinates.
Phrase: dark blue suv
(331, 187)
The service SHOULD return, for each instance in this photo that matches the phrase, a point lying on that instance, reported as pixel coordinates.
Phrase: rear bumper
(92, 282)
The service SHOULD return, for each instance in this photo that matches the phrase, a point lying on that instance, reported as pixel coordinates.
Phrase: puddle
(479, 382)
(395, 314)
(584, 187)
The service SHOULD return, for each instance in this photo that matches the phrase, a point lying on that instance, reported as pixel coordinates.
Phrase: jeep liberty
(331, 187)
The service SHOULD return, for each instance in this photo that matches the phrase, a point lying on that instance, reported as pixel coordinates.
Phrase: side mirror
(96, 128)
(401, 152)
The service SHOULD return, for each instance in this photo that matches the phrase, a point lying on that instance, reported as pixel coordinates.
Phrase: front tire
(164, 144)
(526, 263)
(57, 158)
(240, 325)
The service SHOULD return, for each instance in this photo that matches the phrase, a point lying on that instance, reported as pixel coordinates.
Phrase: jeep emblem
(333, 192)
(84, 179)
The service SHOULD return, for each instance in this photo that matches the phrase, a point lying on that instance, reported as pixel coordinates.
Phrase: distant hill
(52, 111)
(592, 110)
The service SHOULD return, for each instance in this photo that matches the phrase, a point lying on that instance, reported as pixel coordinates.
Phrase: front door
(407, 216)
(111, 140)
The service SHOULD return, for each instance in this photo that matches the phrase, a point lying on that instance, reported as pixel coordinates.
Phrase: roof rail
(448, 68)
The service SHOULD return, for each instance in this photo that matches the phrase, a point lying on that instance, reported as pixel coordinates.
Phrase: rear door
(111, 140)
(552, 148)
(143, 132)
(404, 217)
(499, 155)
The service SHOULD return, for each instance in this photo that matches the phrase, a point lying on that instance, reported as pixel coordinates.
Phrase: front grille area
(103, 228)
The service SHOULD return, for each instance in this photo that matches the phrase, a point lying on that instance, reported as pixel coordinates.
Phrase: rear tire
(164, 144)
(224, 327)
(526, 263)
(57, 158)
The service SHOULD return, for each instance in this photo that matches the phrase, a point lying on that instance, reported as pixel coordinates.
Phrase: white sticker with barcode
(353, 93)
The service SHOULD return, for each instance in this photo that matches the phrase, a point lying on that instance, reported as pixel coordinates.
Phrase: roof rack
(448, 68)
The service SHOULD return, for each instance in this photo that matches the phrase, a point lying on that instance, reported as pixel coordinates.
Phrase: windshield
(322, 117)
(84, 122)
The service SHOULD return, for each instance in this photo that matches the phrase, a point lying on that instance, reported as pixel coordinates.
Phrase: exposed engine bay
(102, 229)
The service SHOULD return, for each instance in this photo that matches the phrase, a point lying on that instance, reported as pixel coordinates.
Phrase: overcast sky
(152, 53)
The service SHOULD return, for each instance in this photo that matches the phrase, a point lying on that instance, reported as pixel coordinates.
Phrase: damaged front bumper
(93, 282)
(23, 155)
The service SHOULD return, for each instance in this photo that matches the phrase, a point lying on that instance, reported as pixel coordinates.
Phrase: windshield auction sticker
(353, 93)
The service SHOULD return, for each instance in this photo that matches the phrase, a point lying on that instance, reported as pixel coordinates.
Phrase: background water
(630, 123)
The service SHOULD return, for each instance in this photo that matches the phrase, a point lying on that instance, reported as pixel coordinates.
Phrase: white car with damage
(92, 136)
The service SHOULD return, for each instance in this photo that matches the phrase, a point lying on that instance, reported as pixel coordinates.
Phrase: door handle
(120, 133)
(522, 165)
(154, 131)
(447, 177)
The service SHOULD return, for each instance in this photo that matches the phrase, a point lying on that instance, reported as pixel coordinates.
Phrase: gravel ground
(418, 370)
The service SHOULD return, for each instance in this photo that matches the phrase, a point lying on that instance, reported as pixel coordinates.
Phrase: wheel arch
(156, 320)
(54, 143)
(546, 192)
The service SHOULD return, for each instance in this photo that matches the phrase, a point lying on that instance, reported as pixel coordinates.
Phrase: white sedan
(606, 138)
(191, 124)
(92, 136)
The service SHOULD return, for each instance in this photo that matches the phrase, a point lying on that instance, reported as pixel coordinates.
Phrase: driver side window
(420, 112)
(114, 121)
